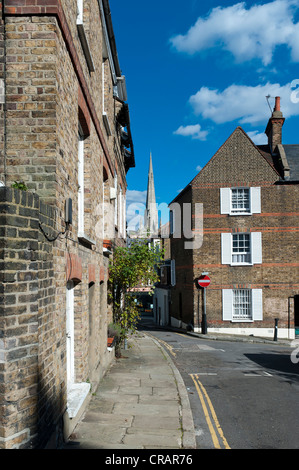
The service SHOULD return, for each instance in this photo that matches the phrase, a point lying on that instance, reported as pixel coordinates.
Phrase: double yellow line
(210, 415)
(166, 345)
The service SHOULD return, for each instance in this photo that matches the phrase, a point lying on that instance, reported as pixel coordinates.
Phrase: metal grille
(242, 304)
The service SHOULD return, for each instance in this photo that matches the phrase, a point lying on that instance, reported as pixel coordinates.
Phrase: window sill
(107, 124)
(76, 395)
(240, 213)
(245, 263)
(85, 239)
(85, 46)
(241, 321)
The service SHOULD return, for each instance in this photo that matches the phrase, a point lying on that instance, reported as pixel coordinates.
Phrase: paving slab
(141, 403)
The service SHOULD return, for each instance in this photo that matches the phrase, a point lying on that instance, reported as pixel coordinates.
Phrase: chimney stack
(274, 127)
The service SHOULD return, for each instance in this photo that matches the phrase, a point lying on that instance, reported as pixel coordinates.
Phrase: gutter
(106, 16)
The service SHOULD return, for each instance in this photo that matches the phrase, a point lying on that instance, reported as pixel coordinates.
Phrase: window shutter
(256, 248)
(257, 304)
(225, 196)
(226, 248)
(227, 304)
(255, 200)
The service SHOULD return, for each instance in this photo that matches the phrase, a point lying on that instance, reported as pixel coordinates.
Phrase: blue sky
(195, 70)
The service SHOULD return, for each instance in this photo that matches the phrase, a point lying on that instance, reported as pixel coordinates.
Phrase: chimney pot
(277, 103)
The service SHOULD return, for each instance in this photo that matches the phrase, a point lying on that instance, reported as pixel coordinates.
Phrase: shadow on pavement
(278, 362)
(146, 322)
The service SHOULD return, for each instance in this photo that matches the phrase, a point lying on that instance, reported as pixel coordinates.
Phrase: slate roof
(292, 154)
(265, 151)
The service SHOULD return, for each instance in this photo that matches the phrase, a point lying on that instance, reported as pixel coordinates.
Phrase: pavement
(141, 403)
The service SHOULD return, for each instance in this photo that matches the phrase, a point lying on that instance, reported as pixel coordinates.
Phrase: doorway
(92, 328)
(70, 344)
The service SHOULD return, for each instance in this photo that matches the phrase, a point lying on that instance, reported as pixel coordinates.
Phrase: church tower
(151, 223)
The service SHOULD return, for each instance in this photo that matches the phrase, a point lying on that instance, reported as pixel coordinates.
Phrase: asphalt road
(242, 395)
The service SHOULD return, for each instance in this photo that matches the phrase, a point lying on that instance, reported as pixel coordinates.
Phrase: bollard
(275, 329)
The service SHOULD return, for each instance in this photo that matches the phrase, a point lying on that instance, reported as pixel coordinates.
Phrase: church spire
(151, 213)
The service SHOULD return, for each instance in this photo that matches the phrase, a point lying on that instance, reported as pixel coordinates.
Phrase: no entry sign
(204, 281)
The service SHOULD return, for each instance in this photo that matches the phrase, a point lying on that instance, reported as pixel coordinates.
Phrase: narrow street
(242, 395)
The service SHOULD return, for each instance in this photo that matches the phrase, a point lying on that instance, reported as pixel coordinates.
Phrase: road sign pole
(198, 308)
(204, 315)
(204, 281)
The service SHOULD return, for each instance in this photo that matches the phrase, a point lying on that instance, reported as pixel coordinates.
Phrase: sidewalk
(141, 403)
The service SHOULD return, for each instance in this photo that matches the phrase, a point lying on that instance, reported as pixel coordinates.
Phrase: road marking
(181, 334)
(209, 409)
(166, 345)
(252, 373)
(206, 373)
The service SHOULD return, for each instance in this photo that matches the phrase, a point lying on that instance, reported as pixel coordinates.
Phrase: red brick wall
(239, 163)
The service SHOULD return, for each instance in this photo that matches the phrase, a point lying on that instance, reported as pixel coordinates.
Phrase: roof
(265, 150)
(292, 155)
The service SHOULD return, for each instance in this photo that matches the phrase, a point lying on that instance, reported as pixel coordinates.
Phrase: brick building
(247, 239)
(65, 132)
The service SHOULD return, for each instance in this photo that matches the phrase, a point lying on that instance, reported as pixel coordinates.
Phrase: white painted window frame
(79, 11)
(70, 343)
(237, 252)
(256, 306)
(254, 201)
(255, 249)
(116, 221)
(80, 183)
(76, 392)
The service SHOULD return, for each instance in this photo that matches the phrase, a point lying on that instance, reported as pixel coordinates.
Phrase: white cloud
(193, 131)
(258, 138)
(134, 196)
(247, 33)
(198, 168)
(247, 104)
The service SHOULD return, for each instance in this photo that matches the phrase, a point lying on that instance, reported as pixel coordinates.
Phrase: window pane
(241, 248)
(242, 304)
(240, 200)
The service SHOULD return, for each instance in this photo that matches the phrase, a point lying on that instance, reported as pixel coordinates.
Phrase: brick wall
(2, 93)
(49, 90)
(30, 397)
(239, 163)
(181, 294)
